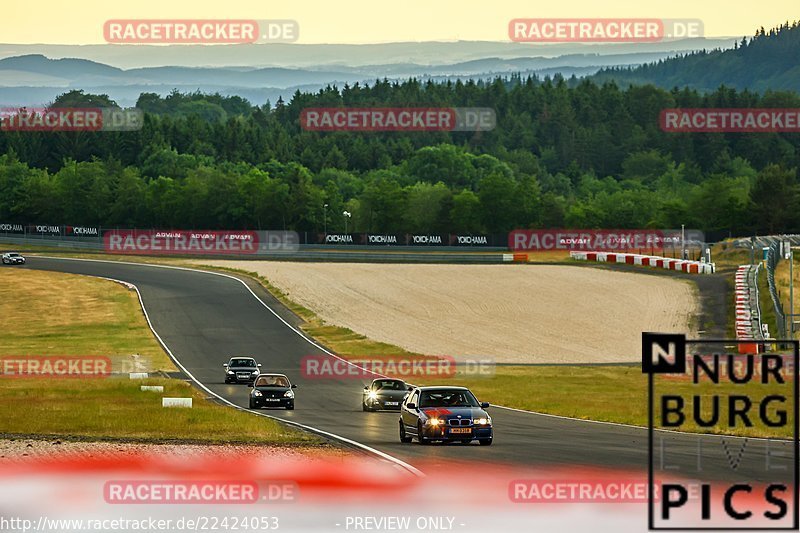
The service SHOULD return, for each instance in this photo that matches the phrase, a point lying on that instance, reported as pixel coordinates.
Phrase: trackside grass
(54, 314)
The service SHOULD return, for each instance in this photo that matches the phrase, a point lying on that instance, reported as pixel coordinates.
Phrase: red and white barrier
(680, 265)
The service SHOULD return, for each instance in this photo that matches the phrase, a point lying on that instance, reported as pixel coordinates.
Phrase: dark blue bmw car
(450, 414)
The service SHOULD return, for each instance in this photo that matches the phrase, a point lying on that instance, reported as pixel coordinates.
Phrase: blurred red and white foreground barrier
(680, 265)
(253, 491)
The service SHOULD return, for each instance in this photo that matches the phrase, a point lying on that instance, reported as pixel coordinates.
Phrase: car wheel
(403, 437)
(364, 407)
(252, 405)
(420, 438)
(485, 442)
(290, 407)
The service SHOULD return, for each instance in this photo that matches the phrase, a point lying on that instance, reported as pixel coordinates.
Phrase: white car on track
(13, 258)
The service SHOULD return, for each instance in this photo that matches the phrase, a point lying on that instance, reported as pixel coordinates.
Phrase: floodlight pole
(683, 242)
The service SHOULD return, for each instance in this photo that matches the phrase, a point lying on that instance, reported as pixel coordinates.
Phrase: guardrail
(773, 257)
(381, 255)
(747, 307)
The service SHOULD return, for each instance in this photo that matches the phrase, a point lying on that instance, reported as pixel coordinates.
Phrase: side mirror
(225, 365)
(294, 386)
(366, 389)
(410, 388)
(484, 405)
(250, 385)
(259, 364)
(411, 406)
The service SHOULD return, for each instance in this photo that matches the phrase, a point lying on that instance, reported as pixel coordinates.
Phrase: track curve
(205, 317)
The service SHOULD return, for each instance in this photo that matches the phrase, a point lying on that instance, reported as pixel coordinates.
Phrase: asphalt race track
(204, 318)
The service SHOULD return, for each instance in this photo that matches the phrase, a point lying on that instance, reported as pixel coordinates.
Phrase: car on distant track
(241, 370)
(272, 390)
(450, 414)
(13, 258)
(384, 393)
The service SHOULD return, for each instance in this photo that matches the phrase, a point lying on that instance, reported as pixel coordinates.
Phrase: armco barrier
(455, 256)
(680, 265)
(748, 312)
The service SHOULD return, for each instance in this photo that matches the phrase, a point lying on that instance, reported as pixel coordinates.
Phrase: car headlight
(230, 372)
(434, 421)
(289, 394)
(372, 395)
(257, 393)
(481, 421)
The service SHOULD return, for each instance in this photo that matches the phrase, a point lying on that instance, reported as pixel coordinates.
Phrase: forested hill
(766, 61)
(562, 155)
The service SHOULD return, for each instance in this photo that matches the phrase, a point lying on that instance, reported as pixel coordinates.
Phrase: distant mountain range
(36, 74)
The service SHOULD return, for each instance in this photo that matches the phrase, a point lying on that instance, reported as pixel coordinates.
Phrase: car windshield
(13, 255)
(242, 362)
(389, 384)
(448, 398)
(272, 381)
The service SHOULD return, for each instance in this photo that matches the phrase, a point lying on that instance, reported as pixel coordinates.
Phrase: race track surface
(205, 318)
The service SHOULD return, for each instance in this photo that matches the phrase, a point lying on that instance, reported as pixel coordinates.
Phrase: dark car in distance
(241, 370)
(384, 393)
(272, 390)
(450, 414)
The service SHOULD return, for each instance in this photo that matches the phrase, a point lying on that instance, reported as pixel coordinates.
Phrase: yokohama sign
(180, 242)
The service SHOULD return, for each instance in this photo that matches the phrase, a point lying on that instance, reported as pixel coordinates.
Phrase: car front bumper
(446, 433)
(384, 404)
(238, 379)
(259, 403)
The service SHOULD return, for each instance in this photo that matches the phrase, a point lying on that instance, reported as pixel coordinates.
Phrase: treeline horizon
(589, 156)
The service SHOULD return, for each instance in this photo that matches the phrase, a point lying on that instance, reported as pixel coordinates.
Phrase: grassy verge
(48, 313)
(782, 281)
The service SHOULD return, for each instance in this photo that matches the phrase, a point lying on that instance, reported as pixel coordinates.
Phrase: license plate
(460, 430)
(392, 403)
(273, 399)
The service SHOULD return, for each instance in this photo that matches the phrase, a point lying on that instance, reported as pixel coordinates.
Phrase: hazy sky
(365, 21)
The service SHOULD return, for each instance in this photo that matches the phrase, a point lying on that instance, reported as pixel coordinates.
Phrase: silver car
(13, 258)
